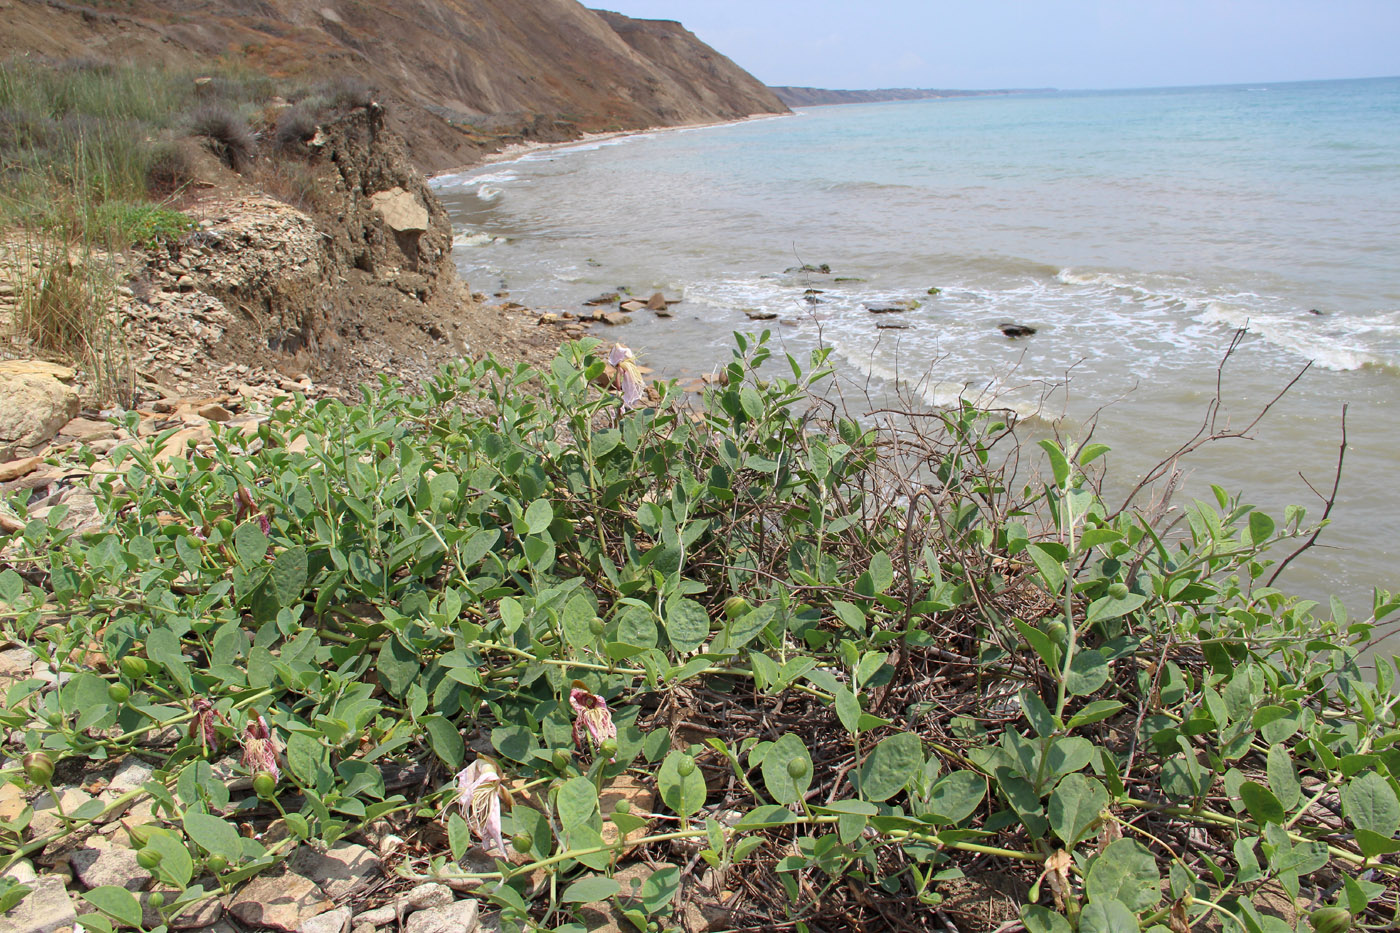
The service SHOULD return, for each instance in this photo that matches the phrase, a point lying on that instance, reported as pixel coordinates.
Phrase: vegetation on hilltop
(861, 671)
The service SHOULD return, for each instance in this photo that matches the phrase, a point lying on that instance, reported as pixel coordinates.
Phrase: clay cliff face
(460, 77)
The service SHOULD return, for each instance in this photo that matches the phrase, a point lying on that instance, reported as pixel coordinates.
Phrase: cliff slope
(460, 77)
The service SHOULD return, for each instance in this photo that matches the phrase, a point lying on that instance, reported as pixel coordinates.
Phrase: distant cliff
(816, 96)
(461, 77)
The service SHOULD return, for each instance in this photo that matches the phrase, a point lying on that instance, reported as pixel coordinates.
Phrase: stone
(891, 326)
(36, 400)
(343, 870)
(332, 921)
(428, 894)
(613, 318)
(754, 314)
(631, 306)
(130, 775)
(458, 917)
(400, 210)
(46, 819)
(17, 468)
(282, 902)
(215, 413)
(46, 909)
(657, 302)
(21, 871)
(1016, 330)
(605, 299)
(890, 307)
(87, 430)
(100, 863)
(12, 802)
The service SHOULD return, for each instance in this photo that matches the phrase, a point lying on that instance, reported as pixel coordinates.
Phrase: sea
(1141, 233)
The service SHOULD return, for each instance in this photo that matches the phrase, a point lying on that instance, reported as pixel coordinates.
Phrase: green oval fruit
(264, 784)
(686, 766)
(38, 767)
(596, 627)
(1331, 920)
(797, 768)
(1055, 629)
(521, 842)
(119, 693)
(561, 759)
(215, 864)
(148, 858)
(623, 806)
(735, 606)
(1118, 591)
(134, 667)
(609, 747)
(156, 900)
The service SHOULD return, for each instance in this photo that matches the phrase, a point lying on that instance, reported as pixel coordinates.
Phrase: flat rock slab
(332, 921)
(46, 909)
(400, 210)
(282, 902)
(458, 917)
(341, 871)
(100, 863)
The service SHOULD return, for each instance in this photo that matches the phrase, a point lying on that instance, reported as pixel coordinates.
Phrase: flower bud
(735, 606)
(140, 835)
(521, 842)
(38, 767)
(134, 667)
(156, 900)
(148, 858)
(1331, 920)
(215, 864)
(561, 759)
(686, 766)
(265, 784)
(596, 627)
(623, 806)
(1118, 591)
(797, 768)
(119, 693)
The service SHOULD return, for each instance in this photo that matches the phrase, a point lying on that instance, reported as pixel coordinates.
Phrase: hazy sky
(1041, 43)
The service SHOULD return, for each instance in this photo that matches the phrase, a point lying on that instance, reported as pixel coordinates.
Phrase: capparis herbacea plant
(743, 656)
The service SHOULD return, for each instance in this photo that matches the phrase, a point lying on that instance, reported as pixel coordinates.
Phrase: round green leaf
(1126, 872)
(785, 786)
(538, 516)
(1369, 803)
(1075, 807)
(1261, 803)
(215, 836)
(1087, 672)
(590, 890)
(890, 766)
(955, 796)
(117, 902)
(1107, 916)
(687, 624)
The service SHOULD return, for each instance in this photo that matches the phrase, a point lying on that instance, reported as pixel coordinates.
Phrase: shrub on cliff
(848, 682)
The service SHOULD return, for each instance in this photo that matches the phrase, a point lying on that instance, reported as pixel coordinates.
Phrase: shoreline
(517, 151)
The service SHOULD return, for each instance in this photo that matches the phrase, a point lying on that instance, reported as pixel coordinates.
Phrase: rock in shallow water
(1016, 330)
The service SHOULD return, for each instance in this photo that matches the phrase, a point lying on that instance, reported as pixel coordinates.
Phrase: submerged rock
(822, 269)
(755, 314)
(891, 307)
(604, 299)
(1016, 330)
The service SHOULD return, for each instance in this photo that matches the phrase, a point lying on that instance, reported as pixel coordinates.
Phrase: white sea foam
(1329, 342)
(468, 240)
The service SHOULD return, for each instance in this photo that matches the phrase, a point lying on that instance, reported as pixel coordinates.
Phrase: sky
(1067, 44)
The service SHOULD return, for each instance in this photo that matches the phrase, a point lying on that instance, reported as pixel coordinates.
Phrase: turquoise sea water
(1136, 230)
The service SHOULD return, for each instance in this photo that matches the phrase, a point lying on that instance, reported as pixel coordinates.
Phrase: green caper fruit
(735, 606)
(156, 900)
(686, 766)
(797, 768)
(521, 842)
(623, 806)
(264, 784)
(1331, 920)
(38, 767)
(1118, 591)
(118, 693)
